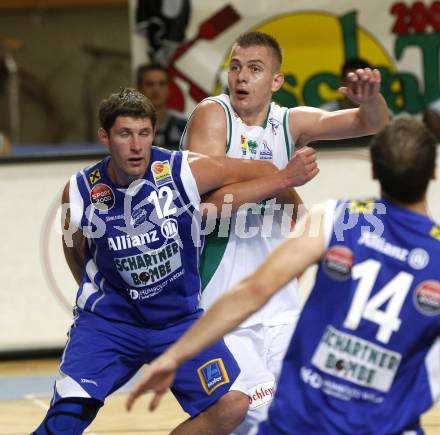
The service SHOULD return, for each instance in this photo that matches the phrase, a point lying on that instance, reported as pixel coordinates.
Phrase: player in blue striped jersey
(365, 355)
(132, 241)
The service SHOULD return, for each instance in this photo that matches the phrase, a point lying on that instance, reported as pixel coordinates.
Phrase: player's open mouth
(135, 160)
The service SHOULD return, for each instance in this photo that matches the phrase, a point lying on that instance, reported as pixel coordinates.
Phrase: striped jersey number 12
(395, 292)
(168, 209)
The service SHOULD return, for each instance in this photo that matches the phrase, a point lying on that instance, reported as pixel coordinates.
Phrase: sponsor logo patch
(94, 176)
(266, 152)
(151, 266)
(357, 206)
(337, 262)
(418, 258)
(169, 228)
(161, 173)
(435, 232)
(356, 360)
(102, 197)
(212, 375)
(261, 394)
(427, 297)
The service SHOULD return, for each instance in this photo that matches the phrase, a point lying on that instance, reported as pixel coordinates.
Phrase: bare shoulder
(207, 128)
(209, 109)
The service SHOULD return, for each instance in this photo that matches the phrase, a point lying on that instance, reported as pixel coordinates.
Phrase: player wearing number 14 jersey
(365, 355)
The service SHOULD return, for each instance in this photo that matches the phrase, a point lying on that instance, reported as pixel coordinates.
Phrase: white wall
(37, 290)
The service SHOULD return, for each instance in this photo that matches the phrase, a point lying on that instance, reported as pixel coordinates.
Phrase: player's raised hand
(302, 167)
(157, 377)
(363, 85)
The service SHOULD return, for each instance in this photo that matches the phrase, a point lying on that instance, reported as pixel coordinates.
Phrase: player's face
(154, 85)
(253, 77)
(129, 144)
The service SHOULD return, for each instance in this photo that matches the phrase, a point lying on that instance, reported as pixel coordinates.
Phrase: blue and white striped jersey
(142, 242)
(365, 356)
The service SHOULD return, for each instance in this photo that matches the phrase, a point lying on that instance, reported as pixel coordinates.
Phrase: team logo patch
(274, 123)
(337, 262)
(102, 197)
(161, 173)
(212, 375)
(427, 297)
(95, 176)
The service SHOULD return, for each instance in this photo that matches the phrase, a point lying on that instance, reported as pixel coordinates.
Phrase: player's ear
(103, 137)
(278, 80)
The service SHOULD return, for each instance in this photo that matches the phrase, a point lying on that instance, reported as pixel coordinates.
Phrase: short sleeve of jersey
(329, 219)
(188, 181)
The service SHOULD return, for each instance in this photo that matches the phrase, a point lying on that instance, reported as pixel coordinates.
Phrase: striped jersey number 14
(395, 292)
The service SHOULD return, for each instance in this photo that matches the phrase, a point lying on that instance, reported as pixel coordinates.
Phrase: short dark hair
(403, 155)
(127, 102)
(353, 64)
(147, 67)
(252, 39)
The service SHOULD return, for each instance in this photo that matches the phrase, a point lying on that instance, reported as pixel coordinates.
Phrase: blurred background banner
(62, 58)
(402, 39)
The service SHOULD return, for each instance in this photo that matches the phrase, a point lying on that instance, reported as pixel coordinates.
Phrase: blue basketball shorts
(102, 355)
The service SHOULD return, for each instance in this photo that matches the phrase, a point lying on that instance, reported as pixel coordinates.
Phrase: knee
(69, 417)
(231, 409)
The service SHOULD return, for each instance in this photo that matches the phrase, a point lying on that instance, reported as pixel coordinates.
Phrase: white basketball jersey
(234, 251)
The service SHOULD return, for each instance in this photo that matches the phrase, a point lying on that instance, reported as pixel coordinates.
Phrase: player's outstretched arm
(287, 261)
(214, 172)
(73, 240)
(308, 124)
(207, 134)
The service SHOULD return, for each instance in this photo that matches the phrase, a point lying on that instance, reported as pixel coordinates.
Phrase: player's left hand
(158, 377)
(363, 85)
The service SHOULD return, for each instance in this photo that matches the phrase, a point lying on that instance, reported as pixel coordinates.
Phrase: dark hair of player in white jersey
(403, 155)
(127, 102)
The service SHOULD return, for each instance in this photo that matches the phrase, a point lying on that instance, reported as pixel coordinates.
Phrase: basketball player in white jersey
(247, 124)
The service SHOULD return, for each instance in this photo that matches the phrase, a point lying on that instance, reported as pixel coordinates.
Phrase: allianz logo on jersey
(125, 242)
(417, 258)
(169, 229)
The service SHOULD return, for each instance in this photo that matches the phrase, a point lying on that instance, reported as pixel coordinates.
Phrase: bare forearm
(75, 260)
(373, 115)
(253, 191)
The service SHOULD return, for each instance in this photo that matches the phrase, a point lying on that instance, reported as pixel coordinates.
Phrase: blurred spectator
(152, 81)
(431, 117)
(349, 66)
